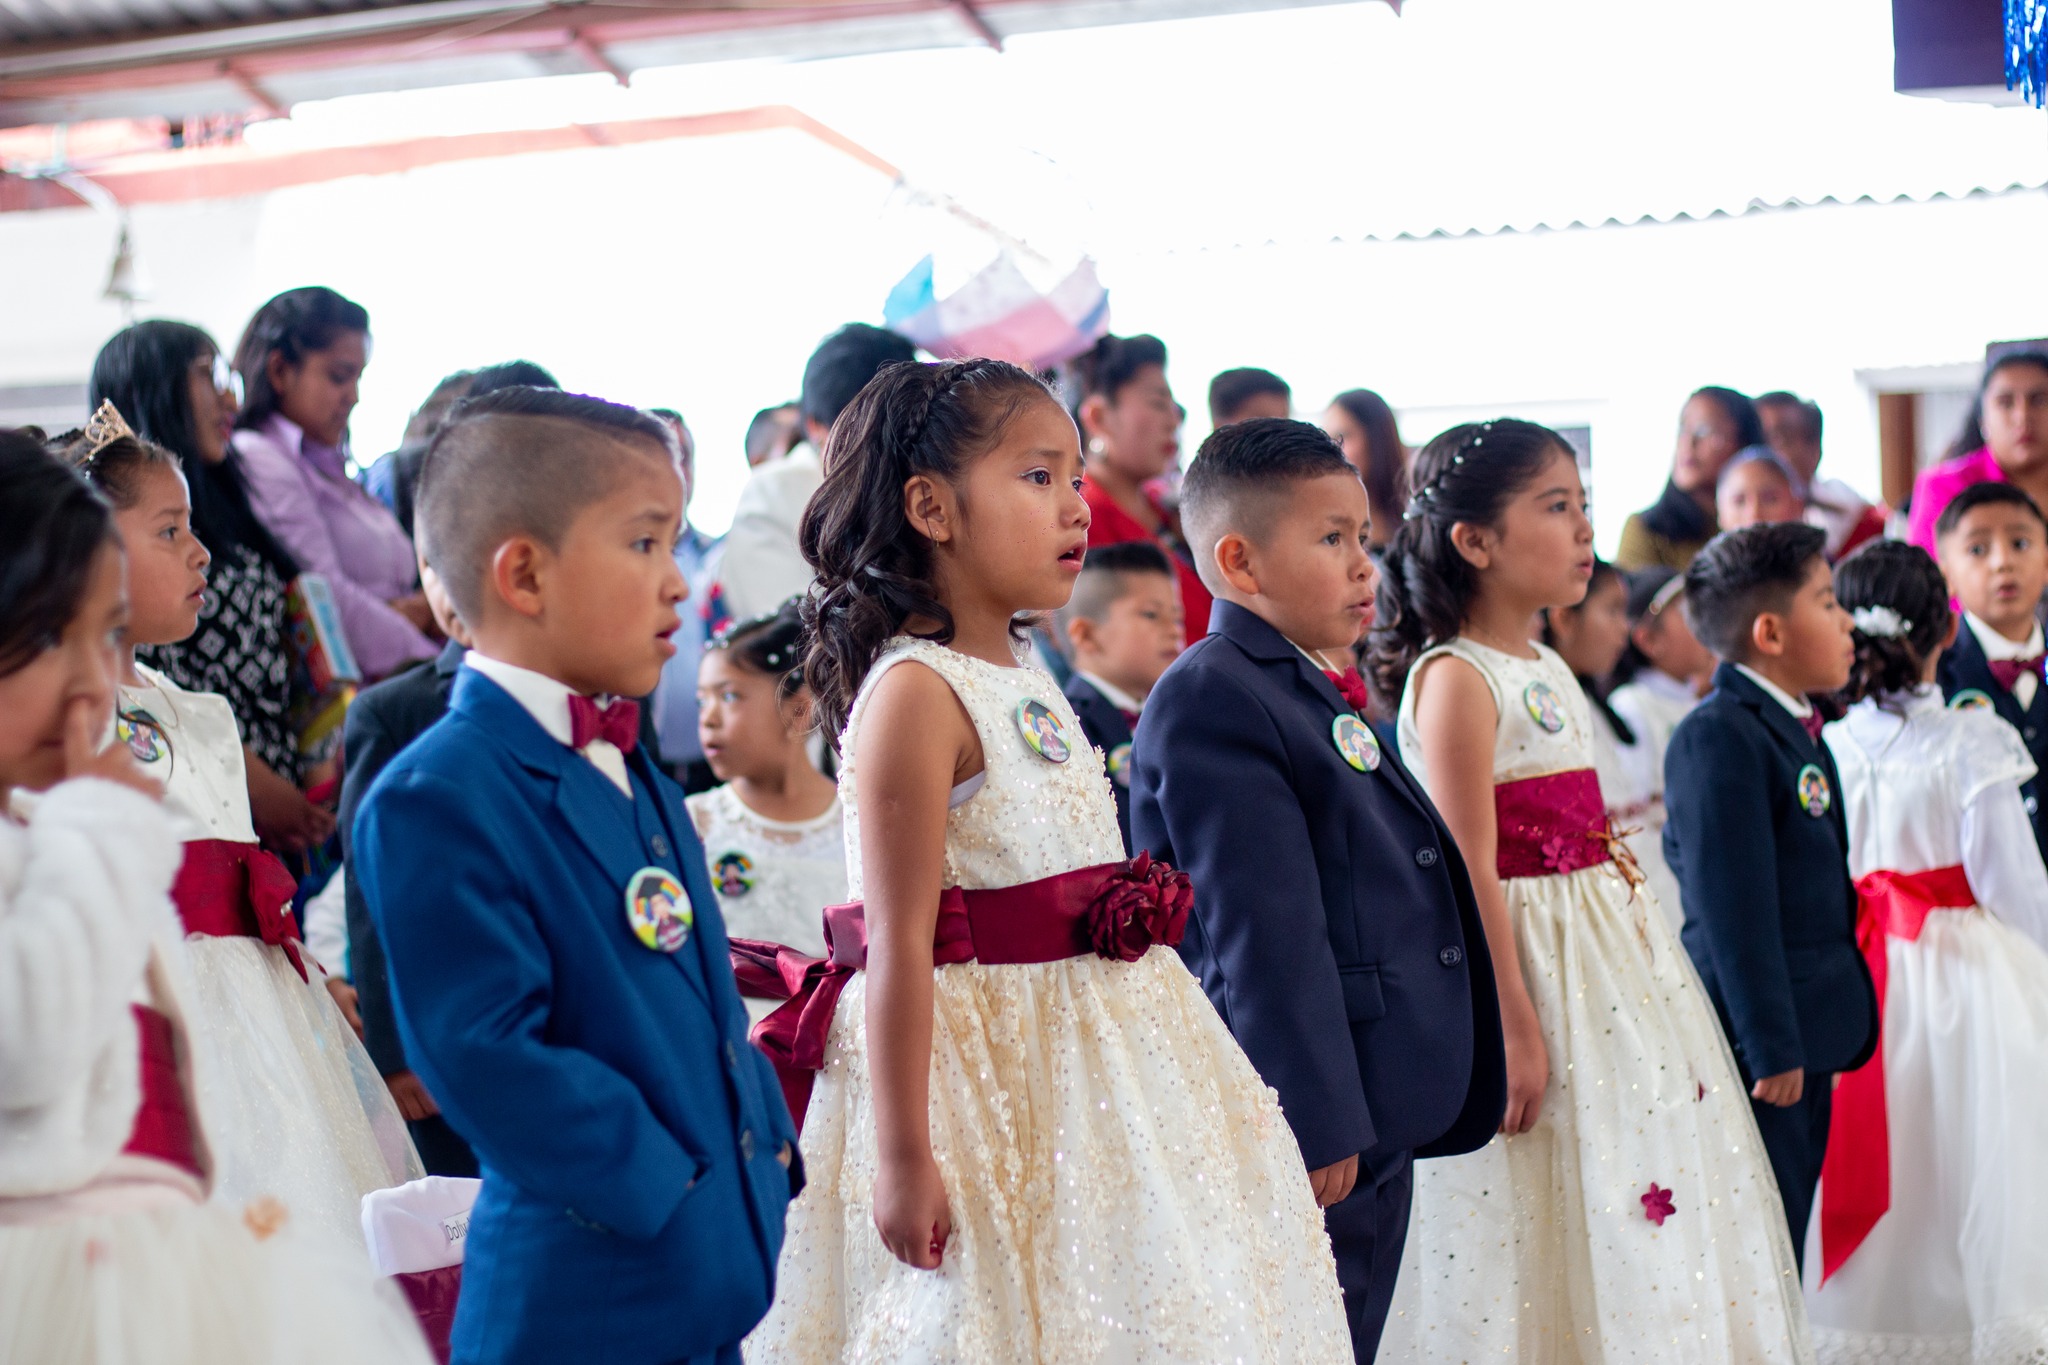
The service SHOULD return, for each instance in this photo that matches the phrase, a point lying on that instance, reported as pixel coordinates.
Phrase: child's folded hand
(911, 1212)
(1333, 1183)
(1783, 1089)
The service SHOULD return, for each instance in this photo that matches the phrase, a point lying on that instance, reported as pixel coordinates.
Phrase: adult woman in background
(1714, 424)
(301, 359)
(2005, 439)
(174, 386)
(1360, 421)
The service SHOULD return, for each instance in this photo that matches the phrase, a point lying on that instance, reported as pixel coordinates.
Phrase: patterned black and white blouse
(243, 651)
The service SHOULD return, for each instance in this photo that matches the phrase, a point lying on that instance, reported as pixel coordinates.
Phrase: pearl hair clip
(1881, 623)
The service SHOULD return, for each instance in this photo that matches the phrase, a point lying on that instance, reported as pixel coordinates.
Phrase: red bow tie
(1812, 722)
(2010, 671)
(1351, 687)
(617, 724)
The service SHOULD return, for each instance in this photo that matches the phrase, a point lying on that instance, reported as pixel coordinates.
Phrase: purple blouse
(301, 491)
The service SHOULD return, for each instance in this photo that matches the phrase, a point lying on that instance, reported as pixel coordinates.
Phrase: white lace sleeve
(1999, 853)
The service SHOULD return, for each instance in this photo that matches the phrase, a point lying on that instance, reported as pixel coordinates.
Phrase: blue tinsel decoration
(2026, 50)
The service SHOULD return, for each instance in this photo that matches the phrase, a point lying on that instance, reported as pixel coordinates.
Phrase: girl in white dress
(772, 836)
(1627, 1212)
(301, 1114)
(110, 1249)
(1928, 1244)
(1032, 1138)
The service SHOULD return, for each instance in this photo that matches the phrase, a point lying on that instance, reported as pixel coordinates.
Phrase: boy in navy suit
(1122, 627)
(556, 955)
(1334, 926)
(1994, 553)
(1757, 838)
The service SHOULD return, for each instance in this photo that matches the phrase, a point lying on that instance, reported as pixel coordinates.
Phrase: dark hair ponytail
(1902, 579)
(874, 568)
(1467, 474)
(771, 645)
(52, 529)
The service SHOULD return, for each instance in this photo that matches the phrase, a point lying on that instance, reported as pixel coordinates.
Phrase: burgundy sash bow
(231, 890)
(1113, 910)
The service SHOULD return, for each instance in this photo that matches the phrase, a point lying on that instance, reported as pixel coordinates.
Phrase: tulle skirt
(1123, 1187)
(192, 1284)
(1956, 1272)
(1639, 1219)
(294, 1107)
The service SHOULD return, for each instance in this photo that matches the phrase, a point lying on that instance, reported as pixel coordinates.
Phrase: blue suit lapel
(1790, 733)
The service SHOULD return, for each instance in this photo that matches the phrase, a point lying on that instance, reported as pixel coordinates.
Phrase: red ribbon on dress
(1113, 910)
(1551, 825)
(1856, 1174)
(231, 890)
(163, 1121)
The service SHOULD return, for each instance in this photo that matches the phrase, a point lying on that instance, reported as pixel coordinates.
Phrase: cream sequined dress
(1122, 1185)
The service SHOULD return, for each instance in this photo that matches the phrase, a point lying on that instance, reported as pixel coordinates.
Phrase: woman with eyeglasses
(175, 388)
(1714, 425)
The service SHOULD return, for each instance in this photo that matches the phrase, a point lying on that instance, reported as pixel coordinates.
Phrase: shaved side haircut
(1240, 478)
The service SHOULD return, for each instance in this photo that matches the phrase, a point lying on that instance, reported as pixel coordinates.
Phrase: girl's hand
(282, 814)
(911, 1211)
(83, 756)
(1528, 1065)
(345, 1000)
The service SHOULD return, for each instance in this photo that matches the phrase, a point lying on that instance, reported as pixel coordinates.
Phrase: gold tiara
(105, 427)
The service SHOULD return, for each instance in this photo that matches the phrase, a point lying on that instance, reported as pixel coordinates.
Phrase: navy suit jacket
(632, 1205)
(1107, 730)
(1965, 669)
(1770, 910)
(1334, 925)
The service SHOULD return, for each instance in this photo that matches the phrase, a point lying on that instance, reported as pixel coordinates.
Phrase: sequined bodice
(1032, 817)
(1544, 726)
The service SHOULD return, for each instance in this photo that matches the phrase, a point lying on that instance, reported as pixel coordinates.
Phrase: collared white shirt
(1996, 646)
(1114, 695)
(1800, 707)
(547, 701)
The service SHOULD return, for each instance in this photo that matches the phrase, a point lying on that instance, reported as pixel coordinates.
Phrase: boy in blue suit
(1122, 627)
(1334, 926)
(1756, 836)
(556, 955)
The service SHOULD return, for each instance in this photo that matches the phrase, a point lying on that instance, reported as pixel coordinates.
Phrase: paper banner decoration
(1001, 315)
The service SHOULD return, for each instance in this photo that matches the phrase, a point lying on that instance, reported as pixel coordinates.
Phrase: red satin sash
(1114, 910)
(231, 890)
(163, 1121)
(1856, 1174)
(1551, 825)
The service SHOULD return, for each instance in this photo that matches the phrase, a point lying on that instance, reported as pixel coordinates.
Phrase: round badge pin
(1814, 794)
(658, 910)
(140, 731)
(1970, 699)
(1119, 765)
(1545, 707)
(1042, 731)
(1356, 741)
(734, 873)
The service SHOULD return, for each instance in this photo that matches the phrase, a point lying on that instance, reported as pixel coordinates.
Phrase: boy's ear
(1955, 626)
(927, 505)
(1767, 634)
(1080, 634)
(519, 575)
(1474, 544)
(1093, 410)
(1234, 554)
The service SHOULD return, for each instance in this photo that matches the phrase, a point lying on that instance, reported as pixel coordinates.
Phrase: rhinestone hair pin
(1422, 495)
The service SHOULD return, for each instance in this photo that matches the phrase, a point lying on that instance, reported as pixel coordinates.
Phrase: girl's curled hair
(1468, 474)
(771, 645)
(52, 529)
(1899, 600)
(874, 569)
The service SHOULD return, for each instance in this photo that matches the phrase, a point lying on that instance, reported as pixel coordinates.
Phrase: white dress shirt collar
(1114, 695)
(1800, 707)
(1996, 646)
(547, 701)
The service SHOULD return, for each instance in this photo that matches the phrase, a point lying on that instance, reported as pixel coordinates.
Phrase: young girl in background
(300, 1112)
(1929, 1230)
(1032, 1138)
(1656, 684)
(1590, 638)
(1627, 1211)
(109, 1250)
(772, 834)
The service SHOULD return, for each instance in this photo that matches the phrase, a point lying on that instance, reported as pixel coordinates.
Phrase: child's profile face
(1815, 631)
(1543, 544)
(1996, 563)
(79, 669)
(1142, 632)
(166, 562)
(744, 730)
(1671, 647)
(1591, 636)
(1754, 494)
(611, 588)
(1023, 525)
(1315, 579)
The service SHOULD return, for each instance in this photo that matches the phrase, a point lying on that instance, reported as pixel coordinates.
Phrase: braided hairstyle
(1899, 600)
(770, 645)
(1467, 475)
(875, 571)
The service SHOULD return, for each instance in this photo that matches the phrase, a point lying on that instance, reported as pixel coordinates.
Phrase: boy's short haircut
(1105, 580)
(1232, 389)
(1992, 493)
(1239, 476)
(1742, 574)
(520, 461)
(842, 366)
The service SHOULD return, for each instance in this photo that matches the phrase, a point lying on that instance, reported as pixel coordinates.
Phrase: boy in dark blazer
(556, 955)
(1994, 553)
(1334, 926)
(1758, 840)
(1121, 628)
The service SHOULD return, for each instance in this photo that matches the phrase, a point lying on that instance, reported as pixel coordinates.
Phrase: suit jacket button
(1451, 956)
(1425, 857)
(746, 1144)
(732, 1056)
(659, 845)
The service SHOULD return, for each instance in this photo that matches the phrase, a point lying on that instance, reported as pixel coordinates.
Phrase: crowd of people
(1310, 906)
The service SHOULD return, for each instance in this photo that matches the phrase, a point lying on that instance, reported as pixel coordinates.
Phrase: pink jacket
(1936, 488)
